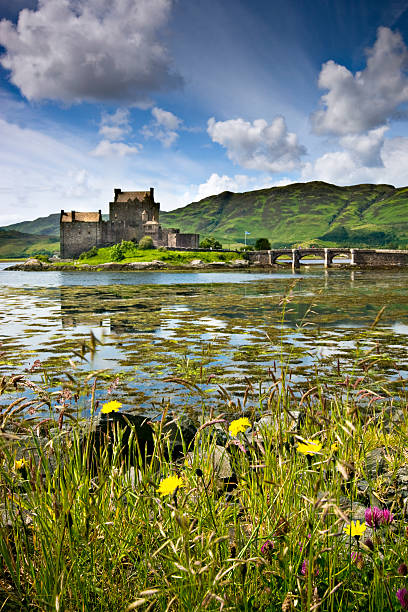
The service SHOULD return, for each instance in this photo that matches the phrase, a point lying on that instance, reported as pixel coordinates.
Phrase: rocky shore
(39, 266)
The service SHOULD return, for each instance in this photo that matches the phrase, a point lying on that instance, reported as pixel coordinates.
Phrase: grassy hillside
(302, 213)
(44, 226)
(361, 215)
(18, 244)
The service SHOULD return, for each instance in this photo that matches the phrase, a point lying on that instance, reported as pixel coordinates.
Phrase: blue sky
(196, 97)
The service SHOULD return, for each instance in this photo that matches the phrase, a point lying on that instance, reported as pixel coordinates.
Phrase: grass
(170, 257)
(87, 529)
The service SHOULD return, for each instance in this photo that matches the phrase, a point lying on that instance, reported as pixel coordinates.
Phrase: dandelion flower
(239, 425)
(20, 464)
(309, 447)
(112, 406)
(170, 484)
(355, 529)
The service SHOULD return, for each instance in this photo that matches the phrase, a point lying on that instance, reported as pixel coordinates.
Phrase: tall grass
(90, 530)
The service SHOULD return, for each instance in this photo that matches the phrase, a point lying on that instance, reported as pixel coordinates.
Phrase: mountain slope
(19, 244)
(299, 213)
(358, 215)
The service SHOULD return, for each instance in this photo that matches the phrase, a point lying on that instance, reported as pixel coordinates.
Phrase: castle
(132, 215)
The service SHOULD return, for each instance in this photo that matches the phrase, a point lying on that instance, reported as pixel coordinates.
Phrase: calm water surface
(225, 328)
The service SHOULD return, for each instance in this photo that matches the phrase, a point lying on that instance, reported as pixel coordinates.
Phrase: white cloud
(163, 127)
(343, 167)
(114, 149)
(89, 50)
(217, 184)
(257, 145)
(115, 126)
(366, 148)
(368, 99)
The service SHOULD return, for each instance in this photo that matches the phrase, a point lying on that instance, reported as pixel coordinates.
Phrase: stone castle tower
(132, 215)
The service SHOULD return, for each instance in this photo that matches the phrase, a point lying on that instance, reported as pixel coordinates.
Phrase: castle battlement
(132, 215)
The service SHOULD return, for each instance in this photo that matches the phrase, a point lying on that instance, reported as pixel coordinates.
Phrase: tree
(210, 243)
(146, 243)
(262, 244)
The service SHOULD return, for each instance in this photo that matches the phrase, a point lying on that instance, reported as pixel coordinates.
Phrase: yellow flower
(334, 447)
(20, 464)
(355, 529)
(112, 406)
(309, 447)
(170, 484)
(239, 425)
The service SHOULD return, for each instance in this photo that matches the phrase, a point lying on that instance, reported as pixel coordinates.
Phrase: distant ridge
(316, 212)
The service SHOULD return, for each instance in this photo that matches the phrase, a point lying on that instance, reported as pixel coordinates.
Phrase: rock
(196, 262)
(272, 422)
(180, 431)
(217, 264)
(239, 263)
(146, 265)
(375, 463)
(220, 462)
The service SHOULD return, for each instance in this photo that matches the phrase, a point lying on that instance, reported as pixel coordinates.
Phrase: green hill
(360, 215)
(19, 244)
(317, 212)
(44, 226)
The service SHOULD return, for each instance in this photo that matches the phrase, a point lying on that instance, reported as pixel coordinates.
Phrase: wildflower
(373, 517)
(402, 596)
(309, 447)
(387, 517)
(267, 548)
(20, 464)
(355, 529)
(112, 406)
(305, 568)
(170, 484)
(403, 569)
(334, 447)
(239, 425)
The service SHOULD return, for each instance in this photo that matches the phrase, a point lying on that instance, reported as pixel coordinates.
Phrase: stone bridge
(357, 257)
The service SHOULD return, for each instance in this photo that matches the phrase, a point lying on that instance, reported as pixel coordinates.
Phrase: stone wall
(79, 236)
(378, 257)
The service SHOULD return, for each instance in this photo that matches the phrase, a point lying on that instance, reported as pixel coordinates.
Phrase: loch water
(228, 328)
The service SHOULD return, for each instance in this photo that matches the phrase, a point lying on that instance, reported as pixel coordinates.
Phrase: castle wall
(132, 215)
(79, 236)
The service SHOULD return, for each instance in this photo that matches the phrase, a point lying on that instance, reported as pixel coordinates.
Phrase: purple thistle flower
(387, 516)
(373, 517)
(402, 596)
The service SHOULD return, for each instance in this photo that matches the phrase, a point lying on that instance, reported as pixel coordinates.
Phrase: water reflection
(233, 327)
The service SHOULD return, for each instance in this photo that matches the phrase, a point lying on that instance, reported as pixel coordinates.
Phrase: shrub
(262, 244)
(146, 243)
(42, 257)
(210, 243)
(117, 252)
(88, 254)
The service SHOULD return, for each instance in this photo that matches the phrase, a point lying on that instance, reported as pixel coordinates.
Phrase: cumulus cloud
(366, 148)
(163, 127)
(217, 184)
(343, 168)
(368, 99)
(89, 50)
(115, 126)
(114, 149)
(257, 145)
